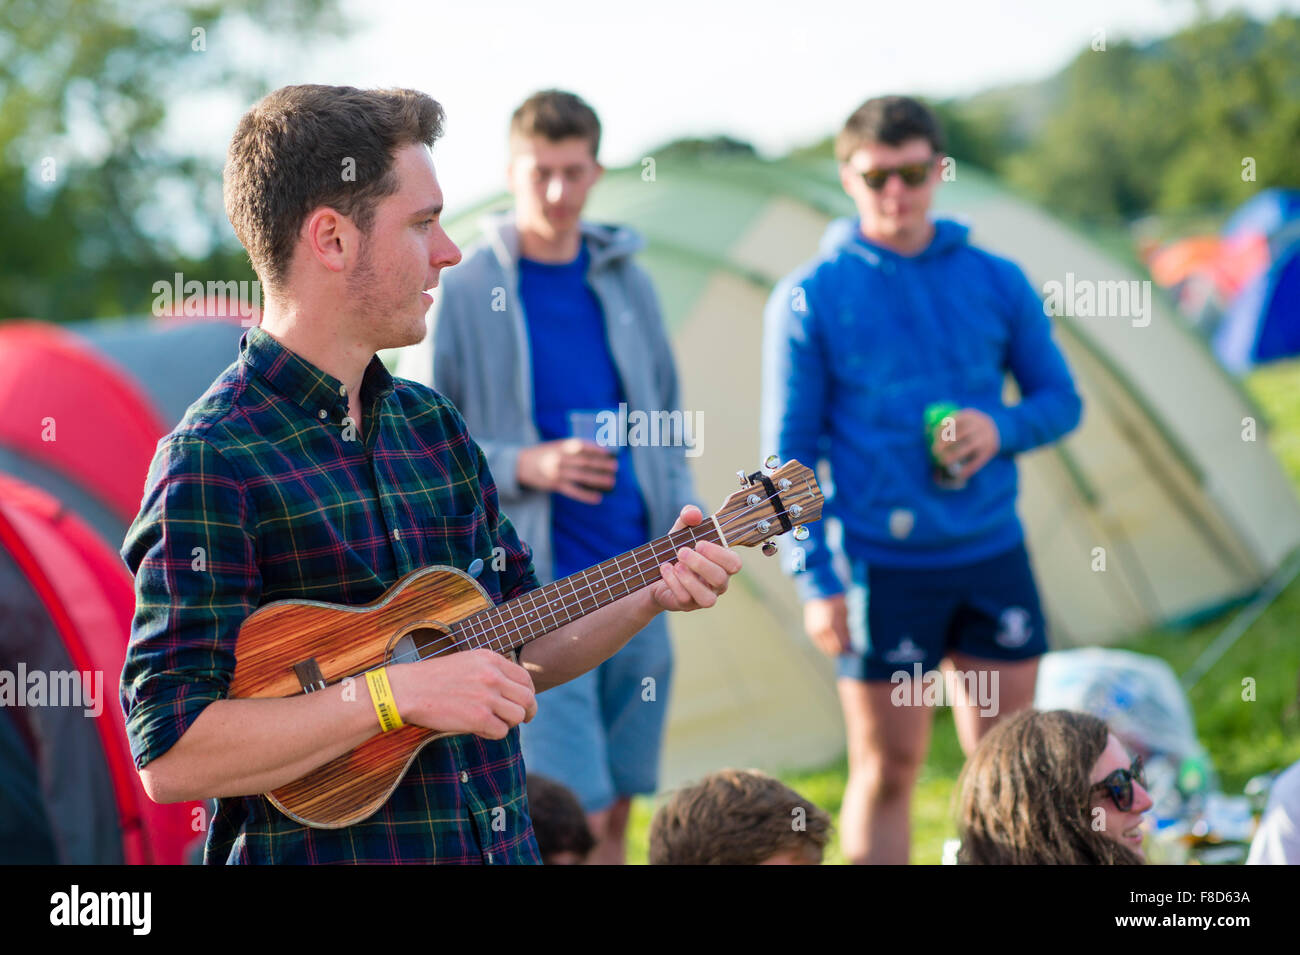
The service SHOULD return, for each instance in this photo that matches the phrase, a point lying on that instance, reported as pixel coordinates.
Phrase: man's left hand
(975, 440)
(700, 574)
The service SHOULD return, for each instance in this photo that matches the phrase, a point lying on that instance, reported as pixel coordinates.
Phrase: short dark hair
(891, 120)
(301, 147)
(559, 823)
(736, 817)
(556, 115)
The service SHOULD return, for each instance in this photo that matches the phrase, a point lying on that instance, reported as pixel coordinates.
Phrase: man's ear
(847, 176)
(330, 238)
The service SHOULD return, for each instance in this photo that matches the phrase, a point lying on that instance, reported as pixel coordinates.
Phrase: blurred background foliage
(1130, 132)
(89, 179)
(1133, 130)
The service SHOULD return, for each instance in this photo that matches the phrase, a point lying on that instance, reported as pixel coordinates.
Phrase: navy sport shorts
(901, 617)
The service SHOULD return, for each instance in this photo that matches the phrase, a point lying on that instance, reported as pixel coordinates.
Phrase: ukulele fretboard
(510, 625)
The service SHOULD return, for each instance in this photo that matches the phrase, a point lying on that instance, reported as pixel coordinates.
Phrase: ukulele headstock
(770, 504)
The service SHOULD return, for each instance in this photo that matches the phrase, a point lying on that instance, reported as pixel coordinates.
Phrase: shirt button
(397, 534)
(489, 858)
(343, 389)
(322, 414)
(464, 776)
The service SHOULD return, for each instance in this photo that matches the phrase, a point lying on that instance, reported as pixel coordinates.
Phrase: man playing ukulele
(307, 471)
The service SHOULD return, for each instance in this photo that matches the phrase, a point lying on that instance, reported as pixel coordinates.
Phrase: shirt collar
(302, 382)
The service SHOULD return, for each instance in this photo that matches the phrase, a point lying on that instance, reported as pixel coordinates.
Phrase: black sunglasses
(1120, 784)
(912, 173)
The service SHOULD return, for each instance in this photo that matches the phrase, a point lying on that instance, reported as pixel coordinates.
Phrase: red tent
(71, 411)
(69, 601)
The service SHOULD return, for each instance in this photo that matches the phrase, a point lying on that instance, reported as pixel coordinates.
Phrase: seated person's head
(1050, 788)
(563, 836)
(738, 817)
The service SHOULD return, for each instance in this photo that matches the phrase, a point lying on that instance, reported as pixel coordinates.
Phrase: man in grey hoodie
(544, 338)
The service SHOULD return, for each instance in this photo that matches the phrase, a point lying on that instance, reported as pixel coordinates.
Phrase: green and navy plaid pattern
(267, 490)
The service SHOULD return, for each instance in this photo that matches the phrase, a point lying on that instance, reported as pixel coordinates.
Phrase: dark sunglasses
(1120, 784)
(912, 174)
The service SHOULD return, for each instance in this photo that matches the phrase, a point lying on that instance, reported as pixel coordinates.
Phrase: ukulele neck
(514, 623)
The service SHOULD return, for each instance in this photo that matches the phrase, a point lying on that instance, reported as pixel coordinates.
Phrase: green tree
(88, 184)
(1166, 127)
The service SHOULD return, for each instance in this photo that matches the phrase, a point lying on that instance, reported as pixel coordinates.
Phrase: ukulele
(289, 647)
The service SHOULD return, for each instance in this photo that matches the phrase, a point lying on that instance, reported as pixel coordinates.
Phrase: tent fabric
(1257, 274)
(68, 409)
(107, 389)
(1179, 260)
(173, 362)
(1152, 512)
(25, 836)
(77, 612)
(68, 765)
(163, 368)
(1279, 335)
(109, 523)
(1266, 213)
(1262, 322)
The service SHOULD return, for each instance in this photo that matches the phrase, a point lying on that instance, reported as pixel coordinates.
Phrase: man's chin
(559, 225)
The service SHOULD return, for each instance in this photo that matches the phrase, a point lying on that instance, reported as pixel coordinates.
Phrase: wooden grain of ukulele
(290, 647)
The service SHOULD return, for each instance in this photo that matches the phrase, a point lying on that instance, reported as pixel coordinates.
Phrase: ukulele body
(286, 643)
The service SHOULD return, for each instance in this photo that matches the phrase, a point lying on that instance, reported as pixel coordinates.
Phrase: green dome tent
(1189, 515)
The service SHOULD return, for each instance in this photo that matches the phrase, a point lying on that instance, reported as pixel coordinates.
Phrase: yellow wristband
(381, 694)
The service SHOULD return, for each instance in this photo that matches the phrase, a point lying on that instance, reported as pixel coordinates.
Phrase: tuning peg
(769, 548)
(801, 533)
(744, 481)
(771, 462)
(764, 526)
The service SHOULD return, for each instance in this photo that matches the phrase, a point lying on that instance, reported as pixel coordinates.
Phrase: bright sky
(778, 74)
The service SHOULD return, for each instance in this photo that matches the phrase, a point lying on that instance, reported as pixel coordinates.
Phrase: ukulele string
(653, 561)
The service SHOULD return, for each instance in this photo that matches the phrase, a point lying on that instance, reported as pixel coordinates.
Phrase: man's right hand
(474, 691)
(827, 622)
(571, 466)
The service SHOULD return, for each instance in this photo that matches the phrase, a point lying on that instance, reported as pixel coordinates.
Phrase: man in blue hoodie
(897, 314)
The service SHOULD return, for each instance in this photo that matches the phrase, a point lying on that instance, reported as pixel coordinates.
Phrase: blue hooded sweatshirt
(857, 343)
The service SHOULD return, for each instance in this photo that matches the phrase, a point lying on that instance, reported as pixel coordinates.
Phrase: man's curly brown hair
(736, 817)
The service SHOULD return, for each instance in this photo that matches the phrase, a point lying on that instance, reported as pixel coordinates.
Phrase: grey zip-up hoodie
(477, 354)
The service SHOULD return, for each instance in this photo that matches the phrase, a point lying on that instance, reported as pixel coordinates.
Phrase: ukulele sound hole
(415, 645)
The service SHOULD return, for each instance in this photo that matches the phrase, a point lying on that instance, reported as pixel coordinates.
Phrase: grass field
(1244, 737)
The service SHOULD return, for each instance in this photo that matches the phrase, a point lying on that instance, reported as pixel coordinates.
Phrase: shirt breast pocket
(459, 541)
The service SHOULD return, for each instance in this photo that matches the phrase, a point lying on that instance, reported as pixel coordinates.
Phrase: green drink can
(936, 414)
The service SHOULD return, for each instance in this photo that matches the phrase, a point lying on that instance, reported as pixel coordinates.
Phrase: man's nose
(446, 253)
(555, 189)
(894, 186)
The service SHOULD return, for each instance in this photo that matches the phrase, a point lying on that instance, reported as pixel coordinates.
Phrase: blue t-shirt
(573, 371)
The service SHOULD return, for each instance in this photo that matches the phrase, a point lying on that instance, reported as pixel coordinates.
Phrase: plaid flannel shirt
(265, 491)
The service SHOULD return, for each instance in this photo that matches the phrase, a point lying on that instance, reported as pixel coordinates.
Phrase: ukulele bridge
(309, 675)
